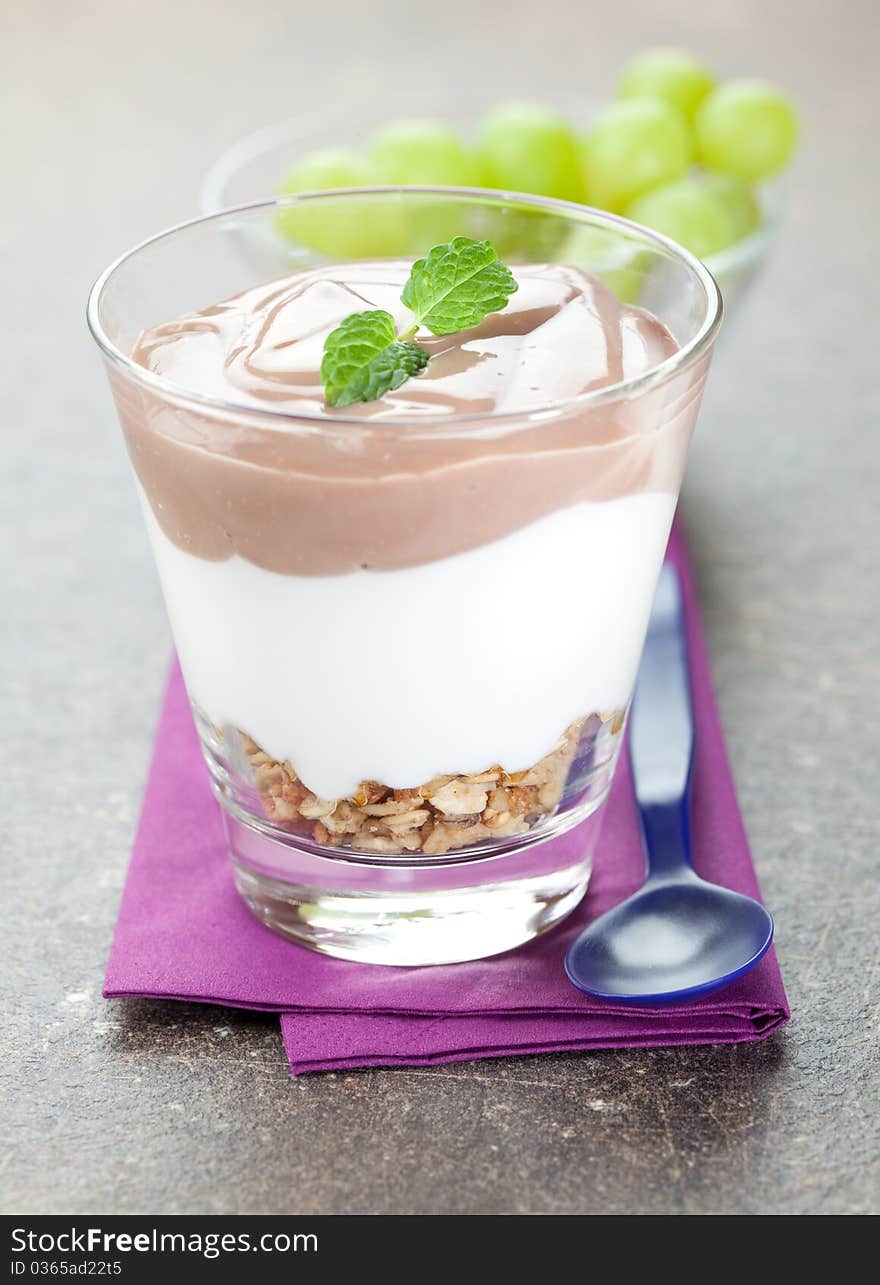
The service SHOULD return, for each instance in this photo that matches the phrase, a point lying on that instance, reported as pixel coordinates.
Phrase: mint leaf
(364, 359)
(453, 288)
(456, 285)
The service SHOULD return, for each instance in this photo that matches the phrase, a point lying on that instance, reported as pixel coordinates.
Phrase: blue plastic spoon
(678, 936)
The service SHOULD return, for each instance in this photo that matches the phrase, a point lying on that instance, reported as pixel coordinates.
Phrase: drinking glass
(409, 642)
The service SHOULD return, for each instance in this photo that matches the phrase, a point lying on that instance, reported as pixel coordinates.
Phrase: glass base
(411, 912)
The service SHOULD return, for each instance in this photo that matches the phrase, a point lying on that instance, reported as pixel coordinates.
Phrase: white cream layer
(448, 667)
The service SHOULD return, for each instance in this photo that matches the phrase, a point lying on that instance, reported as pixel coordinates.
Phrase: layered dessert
(412, 626)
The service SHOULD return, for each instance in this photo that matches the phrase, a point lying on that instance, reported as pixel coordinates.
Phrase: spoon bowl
(671, 941)
(679, 936)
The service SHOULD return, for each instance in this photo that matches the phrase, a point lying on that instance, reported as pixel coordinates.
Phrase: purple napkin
(183, 932)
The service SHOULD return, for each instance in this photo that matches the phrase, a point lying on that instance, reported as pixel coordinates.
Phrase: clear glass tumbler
(409, 642)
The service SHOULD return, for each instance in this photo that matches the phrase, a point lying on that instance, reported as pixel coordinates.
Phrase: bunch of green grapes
(675, 151)
(736, 134)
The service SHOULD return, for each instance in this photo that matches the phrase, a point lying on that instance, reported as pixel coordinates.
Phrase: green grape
(426, 152)
(422, 151)
(528, 148)
(747, 128)
(632, 147)
(692, 212)
(738, 200)
(341, 232)
(674, 75)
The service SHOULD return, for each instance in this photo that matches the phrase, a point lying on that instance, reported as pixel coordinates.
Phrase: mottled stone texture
(138, 1106)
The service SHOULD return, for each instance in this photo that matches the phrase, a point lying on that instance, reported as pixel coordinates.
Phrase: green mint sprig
(363, 359)
(454, 287)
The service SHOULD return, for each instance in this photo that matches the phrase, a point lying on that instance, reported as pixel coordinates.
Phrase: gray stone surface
(110, 114)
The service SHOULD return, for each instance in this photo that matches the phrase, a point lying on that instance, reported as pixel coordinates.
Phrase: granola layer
(446, 813)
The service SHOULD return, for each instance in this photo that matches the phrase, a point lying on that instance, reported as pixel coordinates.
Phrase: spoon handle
(661, 736)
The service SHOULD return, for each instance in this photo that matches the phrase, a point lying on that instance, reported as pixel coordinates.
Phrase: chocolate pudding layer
(402, 481)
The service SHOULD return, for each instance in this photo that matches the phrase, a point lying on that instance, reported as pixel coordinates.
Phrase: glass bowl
(409, 638)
